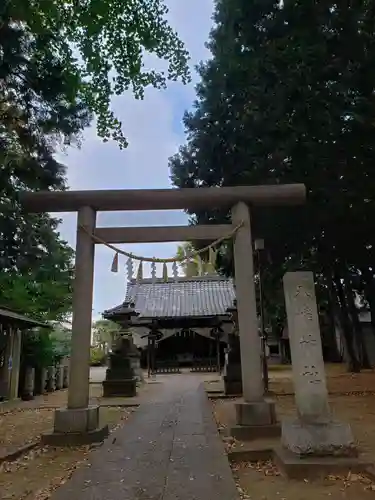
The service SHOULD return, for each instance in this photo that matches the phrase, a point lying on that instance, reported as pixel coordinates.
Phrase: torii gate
(79, 423)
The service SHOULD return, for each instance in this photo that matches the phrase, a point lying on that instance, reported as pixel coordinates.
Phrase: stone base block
(323, 439)
(80, 420)
(295, 467)
(257, 413)
(120, 388)
(255, 432)
(27, 397)
(76, 438)
(256, 451)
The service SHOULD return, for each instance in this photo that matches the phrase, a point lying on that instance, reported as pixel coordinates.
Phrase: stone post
(65, 376)
(78, 424)
(59, 377)
(51, 381)
(255, 411)
(28, 390)
(313, 432)
(43, 380)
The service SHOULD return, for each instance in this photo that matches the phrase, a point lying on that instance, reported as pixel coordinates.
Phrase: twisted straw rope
(170, 260)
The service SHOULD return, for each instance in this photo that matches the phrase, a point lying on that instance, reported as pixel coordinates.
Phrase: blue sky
(154, 131)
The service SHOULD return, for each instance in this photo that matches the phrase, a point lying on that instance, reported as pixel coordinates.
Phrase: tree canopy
(39, 112)
(101, 47)
(288, 97)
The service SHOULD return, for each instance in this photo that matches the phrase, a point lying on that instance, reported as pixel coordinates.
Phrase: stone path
(168, 450)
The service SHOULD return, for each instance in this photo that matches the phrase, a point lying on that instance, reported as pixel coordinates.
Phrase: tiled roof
(187, 297)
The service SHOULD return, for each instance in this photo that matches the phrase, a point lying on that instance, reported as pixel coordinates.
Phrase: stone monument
(232, 368)
(314, 432)
(120, 378)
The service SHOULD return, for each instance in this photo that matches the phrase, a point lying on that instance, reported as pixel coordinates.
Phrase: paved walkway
(168, 450)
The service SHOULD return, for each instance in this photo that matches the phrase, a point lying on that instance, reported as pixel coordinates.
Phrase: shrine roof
(182, 298)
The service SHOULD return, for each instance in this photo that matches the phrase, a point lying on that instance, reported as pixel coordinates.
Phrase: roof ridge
(180, 279)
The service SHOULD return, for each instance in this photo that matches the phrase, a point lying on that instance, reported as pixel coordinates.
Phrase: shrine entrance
(80, 418)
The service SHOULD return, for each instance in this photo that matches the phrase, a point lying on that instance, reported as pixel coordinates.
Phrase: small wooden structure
(12, 326)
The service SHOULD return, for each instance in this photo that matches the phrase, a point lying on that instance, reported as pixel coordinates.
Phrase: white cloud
(150, 126)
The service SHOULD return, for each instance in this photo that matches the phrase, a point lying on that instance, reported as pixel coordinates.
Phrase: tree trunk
(369, 283)
(346, 327)
(357, 328)
(335, 355)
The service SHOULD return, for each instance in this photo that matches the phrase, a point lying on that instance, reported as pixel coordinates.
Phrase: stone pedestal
(331, 438)
(255, 421)
(75, 427)
(120, 380)
(232, 369)
(313, 433)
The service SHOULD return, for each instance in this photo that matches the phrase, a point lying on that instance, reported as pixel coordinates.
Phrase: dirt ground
(23, 422)
(351, 401)
(339, 381)
(37, 474)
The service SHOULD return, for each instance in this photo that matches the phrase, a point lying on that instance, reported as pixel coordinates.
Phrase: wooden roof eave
(12, 318)
(178, 322)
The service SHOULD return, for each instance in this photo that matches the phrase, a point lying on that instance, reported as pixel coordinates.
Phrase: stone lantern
(121, 380)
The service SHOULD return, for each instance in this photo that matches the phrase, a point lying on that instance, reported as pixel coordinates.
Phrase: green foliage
(40, 111)
(38, 349)
(103, 332)
(97, 356)
(288, 97)
(43, 290)
(42, 347)
(198, 265)
(61, 338)
(101, 46)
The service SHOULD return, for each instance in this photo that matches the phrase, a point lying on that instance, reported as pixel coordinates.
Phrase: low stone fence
(49, 379)
(205, 365)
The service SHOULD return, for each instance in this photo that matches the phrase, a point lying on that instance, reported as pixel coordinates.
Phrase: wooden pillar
(5, 371)
(148, 357)
(251, 365)
(78, 396)
(16, 361)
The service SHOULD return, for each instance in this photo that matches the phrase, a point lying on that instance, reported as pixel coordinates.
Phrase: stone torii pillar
(79, 422)
(255, 412)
